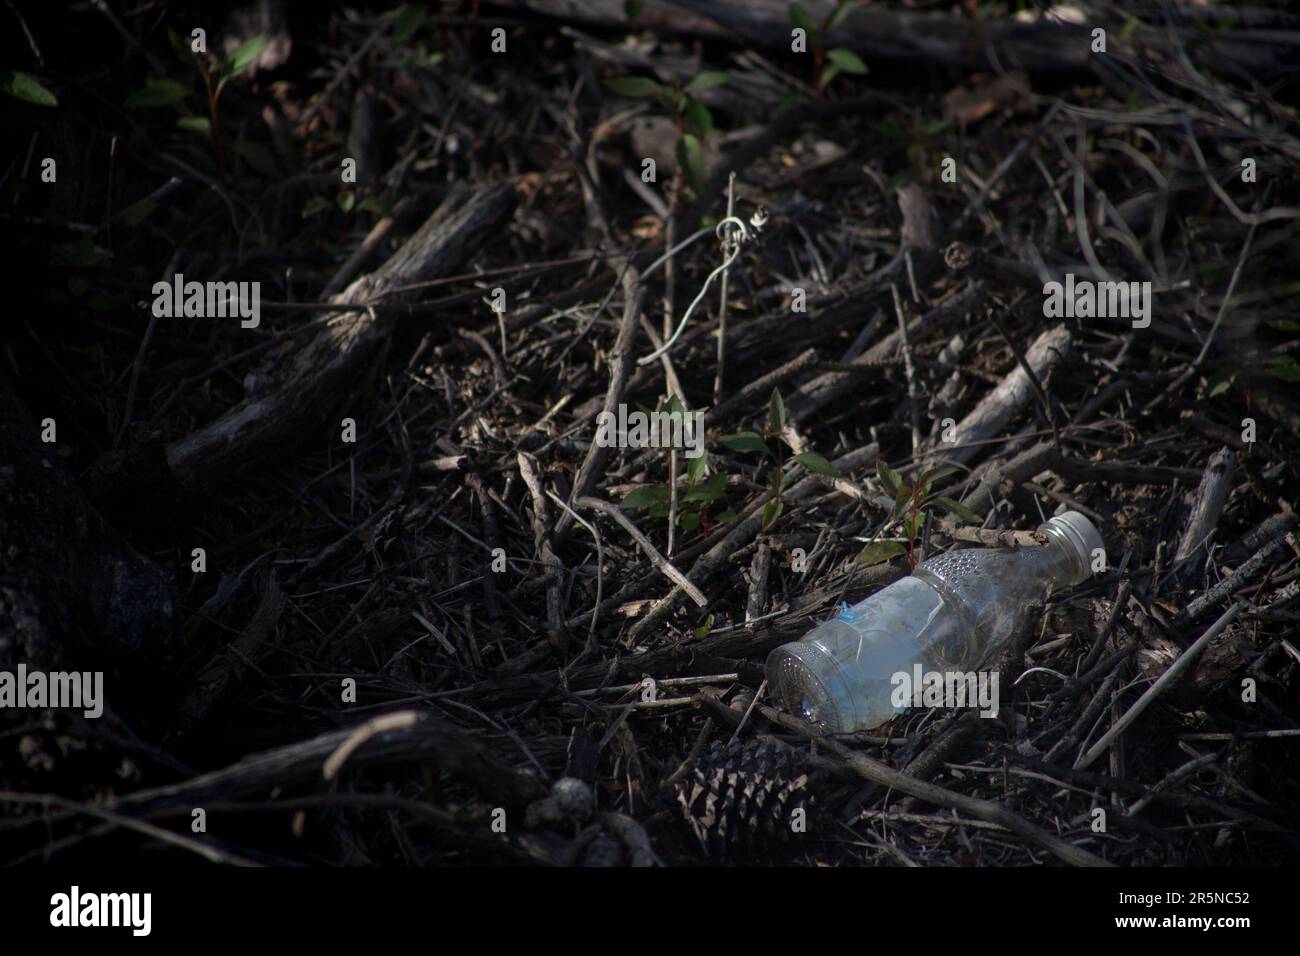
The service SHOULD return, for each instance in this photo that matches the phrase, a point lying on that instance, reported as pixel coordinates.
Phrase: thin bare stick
(672, 497)
(658, 560)
(758, 571)
(544, 550)
(620, 371)
(600, 571)
(913, 396)
(722, 307)
(1192, 369)
(399, 720)
(1156, 689)
(758, 695)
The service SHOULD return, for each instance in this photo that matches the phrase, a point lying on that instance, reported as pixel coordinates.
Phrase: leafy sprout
(912, 501)
(827, 64)
(693, 119)
(704, 490)
(772, 444)
(24, 86)
(161, 93)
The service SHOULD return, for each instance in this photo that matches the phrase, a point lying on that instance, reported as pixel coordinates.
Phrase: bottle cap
(1081, 534)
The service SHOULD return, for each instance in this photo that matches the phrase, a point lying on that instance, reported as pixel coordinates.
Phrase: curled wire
(732, 233)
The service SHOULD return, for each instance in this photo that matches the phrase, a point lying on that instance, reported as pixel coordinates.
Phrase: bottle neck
(1073, 561)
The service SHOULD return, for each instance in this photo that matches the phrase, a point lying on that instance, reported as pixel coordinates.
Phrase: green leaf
(725, 516)
(156, 94)
(688, 521)
(716, 485)
(744, 441)
(180, 46)
(707, 81)
(703, 631)
(250, 50)
(1286, 368)
(775, 411)
(878, 552)
(196, 124)
(800, 18)
(698, 117)
(957, 508)
(373, 204)
(24, 86)
(633, 8)
(1284, 325)
(710, 491)
(1220, 382)
(136, 213)
(315, 206)
(771, 511)
(841, 10)
(690, 157)
(645, 497)
(816, 464)
(409, 19)
(828, 74)
(695, 467)
(888, 477)
(902, 497)
(636, 86)
(347, 200)
(940, 471)
(846, 61)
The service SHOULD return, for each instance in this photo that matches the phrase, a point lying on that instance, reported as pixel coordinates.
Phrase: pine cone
(741, 798)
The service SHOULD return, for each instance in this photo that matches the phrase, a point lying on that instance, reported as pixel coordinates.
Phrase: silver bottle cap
(1082, 536)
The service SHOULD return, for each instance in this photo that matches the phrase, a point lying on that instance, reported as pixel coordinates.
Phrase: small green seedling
(693, 119)
(774, 433)
(703, 491)
(159, 93)
(911, 502)
(827, 64)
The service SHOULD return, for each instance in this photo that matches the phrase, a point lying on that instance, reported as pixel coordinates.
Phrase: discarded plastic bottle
(946, 616)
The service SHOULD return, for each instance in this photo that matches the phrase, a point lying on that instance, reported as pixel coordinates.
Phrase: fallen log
(1040, 46)
(71, 588)
(987, 419)
(1204, 514)
(327, 372)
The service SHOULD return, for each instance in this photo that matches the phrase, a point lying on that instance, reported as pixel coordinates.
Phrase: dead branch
(329, 370)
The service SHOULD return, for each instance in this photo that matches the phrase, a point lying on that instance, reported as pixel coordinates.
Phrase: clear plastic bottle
(947, 616)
